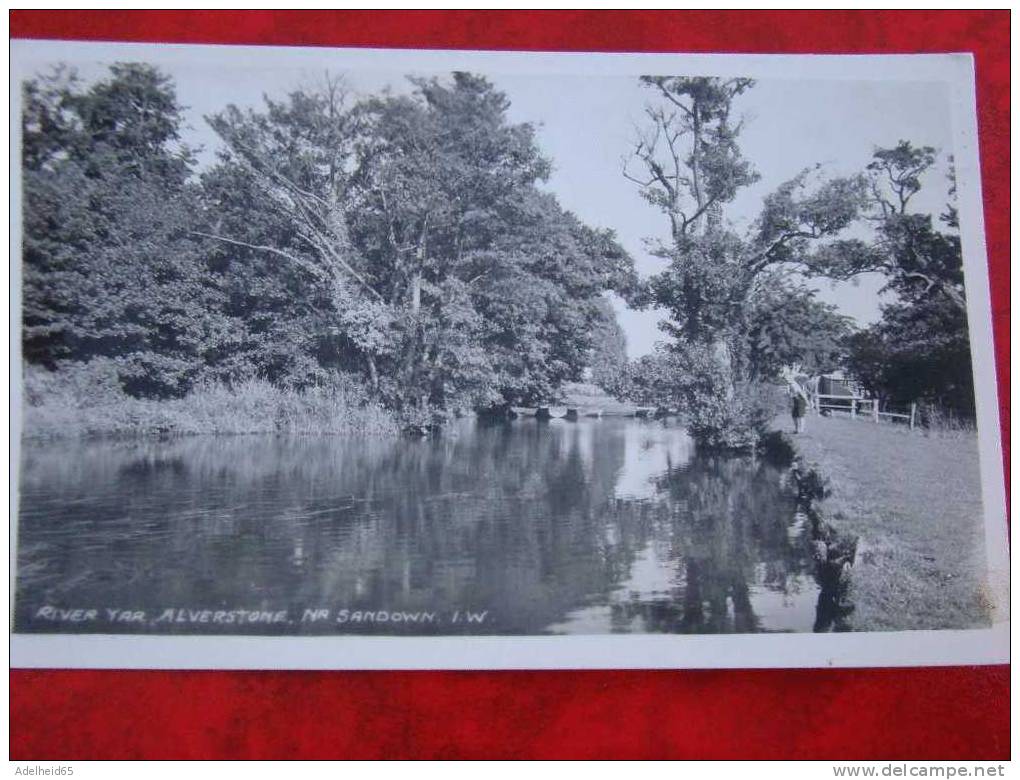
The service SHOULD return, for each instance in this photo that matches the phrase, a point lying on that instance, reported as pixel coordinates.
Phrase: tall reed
(56, 406)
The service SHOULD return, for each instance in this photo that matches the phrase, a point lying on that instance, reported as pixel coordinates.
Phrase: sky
(586, 124)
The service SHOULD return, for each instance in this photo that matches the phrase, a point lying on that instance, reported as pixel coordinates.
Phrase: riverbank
(914, 500)
(90, 403)
(61, 410)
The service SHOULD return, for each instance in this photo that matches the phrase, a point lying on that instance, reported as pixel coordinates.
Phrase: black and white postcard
(330, 358)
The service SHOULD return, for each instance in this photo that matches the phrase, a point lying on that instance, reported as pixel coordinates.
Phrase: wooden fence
(864, 408)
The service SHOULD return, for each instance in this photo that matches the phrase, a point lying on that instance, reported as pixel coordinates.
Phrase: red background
(960, 712)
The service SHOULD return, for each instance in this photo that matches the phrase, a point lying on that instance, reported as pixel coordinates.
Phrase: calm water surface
(588, 527)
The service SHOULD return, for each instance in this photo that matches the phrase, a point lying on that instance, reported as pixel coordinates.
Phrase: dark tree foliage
(919, 350)
(787, 325)
(110, 270)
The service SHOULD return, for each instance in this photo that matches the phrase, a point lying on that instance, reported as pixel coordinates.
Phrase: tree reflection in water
(586, 527)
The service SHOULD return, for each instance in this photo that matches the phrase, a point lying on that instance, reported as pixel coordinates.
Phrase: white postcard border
(905, 648)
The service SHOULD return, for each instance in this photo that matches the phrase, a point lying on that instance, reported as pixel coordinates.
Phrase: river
(524, 527)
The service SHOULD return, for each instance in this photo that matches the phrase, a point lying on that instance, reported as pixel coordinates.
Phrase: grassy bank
(56, 409)
(914, 499)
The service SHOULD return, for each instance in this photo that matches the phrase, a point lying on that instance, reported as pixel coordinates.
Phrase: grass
(914, 499)
(59, 410)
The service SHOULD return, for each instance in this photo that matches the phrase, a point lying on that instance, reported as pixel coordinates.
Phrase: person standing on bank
(799, 409)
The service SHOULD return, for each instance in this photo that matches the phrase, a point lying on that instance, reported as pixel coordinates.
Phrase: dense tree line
(110, 270)
(402, 243)
(401, 239)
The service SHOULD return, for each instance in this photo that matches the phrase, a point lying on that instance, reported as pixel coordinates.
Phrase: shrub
(719, 414)
(88, 400)
(941, 420)
(732, 420)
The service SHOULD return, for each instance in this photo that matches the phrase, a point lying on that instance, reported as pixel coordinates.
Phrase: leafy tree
(787, 325)
(919, 350)
(276, 209)
(541, 298)
(608, 361)
(425, 255)
(447, 180)
(919, 261)
(651, 380)
(109, 268)
(719, 287)
(695, 383)
(693, 167)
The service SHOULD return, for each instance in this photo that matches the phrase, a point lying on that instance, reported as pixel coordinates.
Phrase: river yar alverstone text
(242, 617)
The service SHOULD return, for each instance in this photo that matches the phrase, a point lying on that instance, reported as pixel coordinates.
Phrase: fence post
(874, 409)
(853, 408)
(913, 412)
